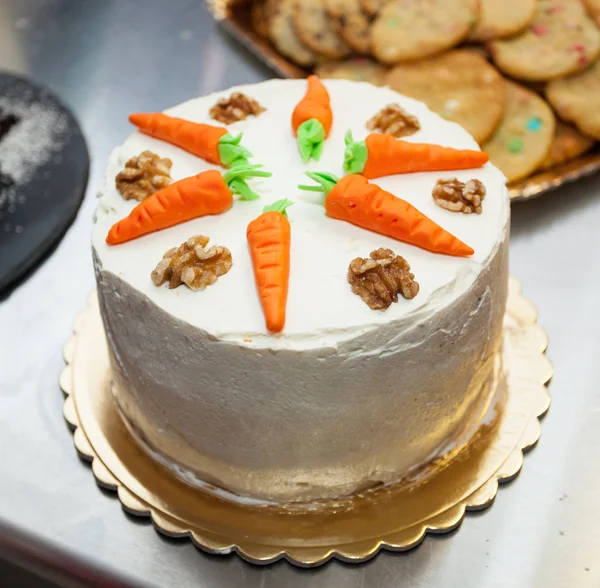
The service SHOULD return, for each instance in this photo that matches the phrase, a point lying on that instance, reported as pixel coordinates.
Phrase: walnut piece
(458, 197)
(144, 175)
(192, 264)
(237, 107)
(394, 120)
(379, 279)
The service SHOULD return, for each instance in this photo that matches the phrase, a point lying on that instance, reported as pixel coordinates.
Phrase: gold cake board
(352, 529)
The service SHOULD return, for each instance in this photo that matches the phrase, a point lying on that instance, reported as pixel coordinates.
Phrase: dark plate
(45, 202)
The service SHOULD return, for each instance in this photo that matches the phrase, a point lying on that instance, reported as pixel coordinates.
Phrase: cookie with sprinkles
(459, 85)
(567, 144)
(317, 31)
(593, 7)
(405, 30)
(351, 22)
(576, 99)
(525, 134)
(283, 35)
(372, 7)
(360, 69)
(502, 19)
(561, 40)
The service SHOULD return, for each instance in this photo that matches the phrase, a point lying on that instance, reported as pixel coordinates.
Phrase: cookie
(567, 144)
(283, 35)
(502, 19)
(259, 17)
(593, 7)
(372, 7)
(576, 99)
(459, 85)
(523, 138)
(317, 31)
(407, 29)
(361, 69)
(351, 23)
(561, 40)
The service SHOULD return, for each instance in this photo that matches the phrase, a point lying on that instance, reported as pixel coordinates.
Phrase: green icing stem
(236, 177)
(311, 138)
(326, 181)
(280, 206)
(355, 156)
(231, 152)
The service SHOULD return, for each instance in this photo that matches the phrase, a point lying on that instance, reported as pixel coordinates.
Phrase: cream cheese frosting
(321, 310)
(345, 397)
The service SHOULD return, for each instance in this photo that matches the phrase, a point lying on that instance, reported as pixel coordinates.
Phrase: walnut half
(144, 175)
(394, 120)
(458, 197)
(379, 279)
(192, 264)
(237, 107)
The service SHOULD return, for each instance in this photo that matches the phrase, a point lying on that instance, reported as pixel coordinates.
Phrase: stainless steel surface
(107, 58)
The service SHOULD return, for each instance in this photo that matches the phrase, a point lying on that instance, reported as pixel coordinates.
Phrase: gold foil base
(352, 528)
(234, 16)
(542, 182)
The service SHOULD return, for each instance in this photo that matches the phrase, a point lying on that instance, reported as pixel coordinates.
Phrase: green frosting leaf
(279, 206)
(355, 156)
(326, 181)
(311, 138)
(236, 177)
(231, 152)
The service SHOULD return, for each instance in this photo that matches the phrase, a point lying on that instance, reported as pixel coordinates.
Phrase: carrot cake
(279, 343)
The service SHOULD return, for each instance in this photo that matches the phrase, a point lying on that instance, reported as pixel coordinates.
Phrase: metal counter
(107, 58)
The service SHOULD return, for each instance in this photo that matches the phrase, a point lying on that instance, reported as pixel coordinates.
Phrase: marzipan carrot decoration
(384, 155)
(355, 200)
(312, 119)
(206, 193)
(211, 143)
(269, 238)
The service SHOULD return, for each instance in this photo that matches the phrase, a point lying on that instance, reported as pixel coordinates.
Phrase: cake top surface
(322, 311)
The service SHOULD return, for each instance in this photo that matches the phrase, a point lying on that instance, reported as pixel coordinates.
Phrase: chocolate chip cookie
(317, 31)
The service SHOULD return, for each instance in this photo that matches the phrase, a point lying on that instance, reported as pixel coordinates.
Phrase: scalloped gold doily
(352, 529)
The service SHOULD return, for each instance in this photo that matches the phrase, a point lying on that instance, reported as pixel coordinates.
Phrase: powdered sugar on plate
(33, 141)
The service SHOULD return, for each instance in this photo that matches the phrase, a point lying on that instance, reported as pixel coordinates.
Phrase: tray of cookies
(522, 76)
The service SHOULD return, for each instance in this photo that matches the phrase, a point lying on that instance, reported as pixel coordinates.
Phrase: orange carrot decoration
(355, 200)
(269, 238)
(211, 143)
(193, 197)
(312, 119)
(384, 155)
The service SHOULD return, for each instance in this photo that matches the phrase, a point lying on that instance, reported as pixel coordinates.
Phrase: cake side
(346, 397)
(291, 425)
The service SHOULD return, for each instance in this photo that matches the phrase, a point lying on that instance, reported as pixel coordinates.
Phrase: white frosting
(346, 397)
(321, 311)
